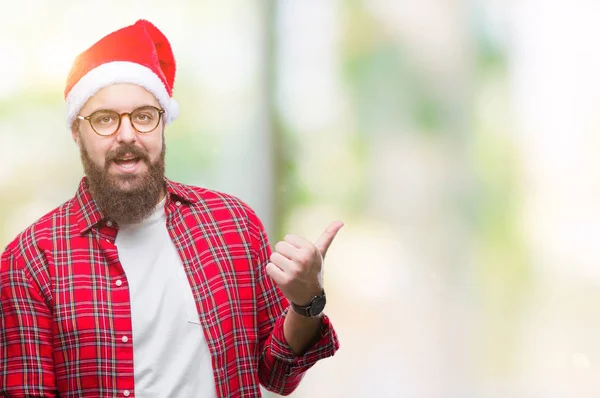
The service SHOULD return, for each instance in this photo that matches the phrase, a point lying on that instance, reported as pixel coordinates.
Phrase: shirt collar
(88, 214)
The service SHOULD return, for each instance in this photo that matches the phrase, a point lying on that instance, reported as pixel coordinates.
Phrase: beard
(125, 198)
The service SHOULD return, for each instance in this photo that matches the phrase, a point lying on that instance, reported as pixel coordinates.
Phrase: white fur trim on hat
(119, 72)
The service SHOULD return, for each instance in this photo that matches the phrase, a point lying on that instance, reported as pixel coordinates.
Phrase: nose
(126, 133)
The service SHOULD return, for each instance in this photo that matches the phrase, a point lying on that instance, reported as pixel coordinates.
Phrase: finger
(287, 249)
(298, 241)
(304, 251)
(283, 263)
(276, 274)
(327, 237)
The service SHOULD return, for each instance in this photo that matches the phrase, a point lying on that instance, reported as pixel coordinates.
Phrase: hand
(296, 265)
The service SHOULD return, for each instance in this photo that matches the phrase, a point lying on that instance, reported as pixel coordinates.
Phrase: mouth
(127, 164)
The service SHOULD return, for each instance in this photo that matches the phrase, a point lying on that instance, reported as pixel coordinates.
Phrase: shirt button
(126, 393)
(178, 203)
(109, 223)
(119, 282)
(124, 339)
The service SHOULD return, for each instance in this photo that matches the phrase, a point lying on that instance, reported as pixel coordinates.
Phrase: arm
(289, 345)
(301, 332)
(26, 363)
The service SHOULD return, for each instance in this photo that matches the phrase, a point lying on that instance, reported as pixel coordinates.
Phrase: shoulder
(26, 259)
(215, 202)
(222, 210)
(29, 243)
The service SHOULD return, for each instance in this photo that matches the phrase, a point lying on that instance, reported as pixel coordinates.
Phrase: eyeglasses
(106, 122)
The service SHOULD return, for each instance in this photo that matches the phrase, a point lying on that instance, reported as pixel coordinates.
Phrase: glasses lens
(104, 122)
(145, 119)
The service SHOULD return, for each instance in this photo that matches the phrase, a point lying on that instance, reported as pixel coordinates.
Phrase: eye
(143, 117)
(104, 118)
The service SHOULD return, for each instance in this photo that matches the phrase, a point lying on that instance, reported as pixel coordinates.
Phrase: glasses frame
(128, 114)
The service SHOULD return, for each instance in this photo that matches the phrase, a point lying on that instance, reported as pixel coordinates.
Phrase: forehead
(121, 98)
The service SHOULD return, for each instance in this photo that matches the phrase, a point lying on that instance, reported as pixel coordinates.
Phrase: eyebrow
(133, 108)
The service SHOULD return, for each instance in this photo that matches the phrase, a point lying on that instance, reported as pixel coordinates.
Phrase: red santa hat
(138, 54)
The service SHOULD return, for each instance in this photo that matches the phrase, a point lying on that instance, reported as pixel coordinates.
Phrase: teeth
(127, 164)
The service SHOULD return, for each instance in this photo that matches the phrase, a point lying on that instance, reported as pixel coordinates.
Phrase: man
(141, 286)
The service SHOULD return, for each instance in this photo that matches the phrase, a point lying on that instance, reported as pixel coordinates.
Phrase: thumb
(327, 237)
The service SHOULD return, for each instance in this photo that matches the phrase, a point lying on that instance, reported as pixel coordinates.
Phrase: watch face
(317, 306)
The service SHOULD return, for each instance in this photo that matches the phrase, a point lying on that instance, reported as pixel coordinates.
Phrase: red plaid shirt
(63, 316)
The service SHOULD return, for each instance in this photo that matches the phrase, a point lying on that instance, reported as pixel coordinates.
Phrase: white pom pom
(172, 110)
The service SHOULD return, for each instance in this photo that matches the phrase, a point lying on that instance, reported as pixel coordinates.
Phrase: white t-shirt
(171, 356)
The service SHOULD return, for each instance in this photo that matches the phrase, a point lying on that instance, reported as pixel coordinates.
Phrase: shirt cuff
(324, 347)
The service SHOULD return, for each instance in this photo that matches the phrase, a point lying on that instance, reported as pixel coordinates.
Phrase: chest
(92, 289)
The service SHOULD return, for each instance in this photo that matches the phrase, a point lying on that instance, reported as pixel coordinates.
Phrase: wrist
(313, 308)
(306, 298)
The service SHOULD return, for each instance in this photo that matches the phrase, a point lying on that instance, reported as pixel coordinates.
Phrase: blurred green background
(458, 141)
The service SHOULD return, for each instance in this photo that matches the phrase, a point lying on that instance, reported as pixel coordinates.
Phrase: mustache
(127, 149)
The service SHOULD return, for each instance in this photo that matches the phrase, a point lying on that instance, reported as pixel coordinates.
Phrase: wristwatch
(314, 308)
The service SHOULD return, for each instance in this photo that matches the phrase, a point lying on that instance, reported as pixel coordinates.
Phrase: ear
(75, 132)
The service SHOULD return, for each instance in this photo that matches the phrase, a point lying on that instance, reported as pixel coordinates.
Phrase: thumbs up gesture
(296, 265)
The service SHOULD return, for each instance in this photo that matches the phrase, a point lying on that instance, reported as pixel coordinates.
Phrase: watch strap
(305, 310)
